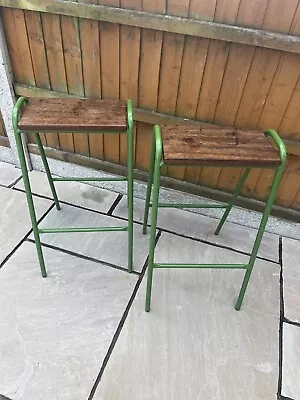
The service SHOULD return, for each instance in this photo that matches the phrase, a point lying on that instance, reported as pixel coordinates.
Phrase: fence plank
(151, 48)
(280, 15)
(110, 75)
(171, 60)
(212, 82)
(73, 64)
(56, 66)
(129, 74)
(192, 70)
(179, 25)
(91, 54)
(234, 82)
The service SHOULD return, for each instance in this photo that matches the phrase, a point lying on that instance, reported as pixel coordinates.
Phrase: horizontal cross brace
(229, 266)
(89, 179)
(189, 205)
(72, 230)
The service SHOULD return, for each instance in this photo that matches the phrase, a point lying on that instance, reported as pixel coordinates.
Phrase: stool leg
(262, 226)
(30, 202)
(149, 185)
(153, 228)
(233, 199)
(130, 167)
(47, 169)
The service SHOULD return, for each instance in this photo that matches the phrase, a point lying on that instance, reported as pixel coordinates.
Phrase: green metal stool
(76, 116)
(212, 147)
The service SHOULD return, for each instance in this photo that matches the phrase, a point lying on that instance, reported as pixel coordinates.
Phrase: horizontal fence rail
(166, 23)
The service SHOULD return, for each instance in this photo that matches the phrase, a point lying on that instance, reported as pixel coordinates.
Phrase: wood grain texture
(170, 70)
(74, 74)
(110, 76)
(91, 55)
(56, 66)
(190, 145)
(235, 80)
(192, 71)
(129, 73)
(149, 67)
(73, 115)
(174, 24)
(190, 77)
(218, 52)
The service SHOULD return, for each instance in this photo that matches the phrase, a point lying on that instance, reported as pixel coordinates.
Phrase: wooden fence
(183, 67)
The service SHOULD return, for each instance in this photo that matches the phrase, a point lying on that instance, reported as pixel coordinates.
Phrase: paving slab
(291, 361)
(8, 174)
(291, 279)
(55, 332)
(14, 219)
(76, 193)
(199, 226)
(193, 344)
(105, 246)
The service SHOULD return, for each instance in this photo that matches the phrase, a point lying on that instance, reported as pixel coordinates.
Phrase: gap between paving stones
(281, 317)
(87, 258)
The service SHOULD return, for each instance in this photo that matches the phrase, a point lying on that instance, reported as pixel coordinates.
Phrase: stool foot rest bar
(219, 147)
(73, 115)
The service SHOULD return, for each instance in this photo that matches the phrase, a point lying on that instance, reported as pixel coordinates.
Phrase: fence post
(7, 98)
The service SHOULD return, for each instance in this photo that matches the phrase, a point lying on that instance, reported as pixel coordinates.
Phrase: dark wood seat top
(74, 115)
(194, 145)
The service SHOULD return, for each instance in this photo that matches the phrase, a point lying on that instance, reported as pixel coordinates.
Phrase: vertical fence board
(38, 55)
(191, 77)
(110, 76)
(234, 82)
(151, 48)
(73, 64)
(91, 53)
(129, 72)
(226, 11)
(171, 60)
(56, 66)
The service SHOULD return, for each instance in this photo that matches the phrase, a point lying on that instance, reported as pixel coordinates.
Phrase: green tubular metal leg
(130, 168)
(156, 162)
(24, 170)
(47, 169)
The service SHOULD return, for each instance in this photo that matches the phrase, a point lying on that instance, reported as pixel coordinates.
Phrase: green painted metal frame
(130, 166)
(156, 162)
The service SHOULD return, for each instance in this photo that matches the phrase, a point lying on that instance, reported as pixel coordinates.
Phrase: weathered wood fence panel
(215, 81)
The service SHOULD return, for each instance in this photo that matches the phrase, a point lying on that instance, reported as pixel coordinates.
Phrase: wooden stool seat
(193, 145)
(210, 147)
(73, 115)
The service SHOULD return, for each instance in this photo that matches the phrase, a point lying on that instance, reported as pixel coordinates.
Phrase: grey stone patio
(82, 333)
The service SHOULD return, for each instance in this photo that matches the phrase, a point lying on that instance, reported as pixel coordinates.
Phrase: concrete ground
(82, 333)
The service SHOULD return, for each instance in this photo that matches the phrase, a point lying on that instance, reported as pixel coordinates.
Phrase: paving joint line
(15, 182)
(281, 317)
(121, 324)
(87, 258)
(25, 238)
(163, 229)
(115, 204)
(288, 321)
